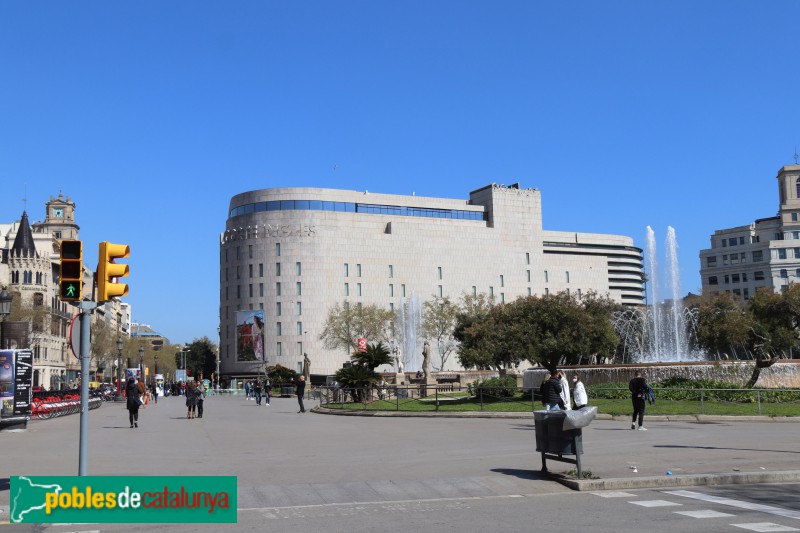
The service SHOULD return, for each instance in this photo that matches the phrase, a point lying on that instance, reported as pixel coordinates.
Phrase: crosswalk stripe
(704, 514)
(655, 503)
(765, 527)
(735, 503)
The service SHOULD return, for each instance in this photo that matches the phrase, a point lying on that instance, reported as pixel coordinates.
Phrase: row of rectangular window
(349, 207)
(298, 309)
(737, 278)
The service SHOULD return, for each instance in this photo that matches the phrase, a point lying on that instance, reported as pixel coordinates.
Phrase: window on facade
(239, 272)
(744, 276)
(278, 289)
(797, 253)
(529, 291)
(278, 329)
(298, 308)
(724, 243)
(347, 289)
(746, 293)
(299, 288)
(277, 249)
(758, 255)
(440, 292)
(741, 240)
(735, 278)
(711, 261)
(758, 275)
(250, 270)
(238, 291)
(403, 290)
(784, 273)
(298, 269)
(491, 292)
(712, 280)
(278, 349)
(732, 241)
(734, 259)
(737, 292)
(527, 258)
(778, 236)
(502, 281)
(724, 259)
(797, 187)
(794, 217)
(567, 277)
(440, 272)
(277, 269)
(727, 279)
(358, 270)
(261, 289)
(391, 307)
(529, 276)
(391, 271)
(251, 290)
(346, 270)
(781, 253)
(546, 291)
(474, 290)
(299, 328)
(358, 289)
(502, 297)
(250, 251)
(391, 290)
(546, 277)
(261, 270)
(743, 257)
(299, 352)
(277, 309)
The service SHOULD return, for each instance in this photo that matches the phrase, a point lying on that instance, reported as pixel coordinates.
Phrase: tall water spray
(410, 323)
(660, 331)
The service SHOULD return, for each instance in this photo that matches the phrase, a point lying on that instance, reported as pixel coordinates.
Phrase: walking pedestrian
(201, 396)
(579, 395)
(301, 390)
(257, 391)
(247, 389)
(638, 388)
(267, 390)
(191, 399)
(154, 390)
(133, 402)
(551, 392)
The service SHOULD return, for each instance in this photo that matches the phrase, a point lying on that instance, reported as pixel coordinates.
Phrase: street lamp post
(5, 309)
(118, 396)
(141, 362)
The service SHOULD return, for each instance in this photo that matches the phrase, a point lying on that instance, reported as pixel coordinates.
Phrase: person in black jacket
(133, 394)
(551, 393)
(301, 390)
(638, 388)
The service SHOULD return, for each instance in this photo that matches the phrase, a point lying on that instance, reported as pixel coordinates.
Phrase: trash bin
(287, 391)
(551, 436)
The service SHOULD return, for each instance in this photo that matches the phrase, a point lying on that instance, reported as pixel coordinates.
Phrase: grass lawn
(612, 407)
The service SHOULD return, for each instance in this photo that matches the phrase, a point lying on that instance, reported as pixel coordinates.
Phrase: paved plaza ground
(285, 460)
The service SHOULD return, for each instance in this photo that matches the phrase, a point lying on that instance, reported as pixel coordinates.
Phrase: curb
(692, 480)
(529, 416)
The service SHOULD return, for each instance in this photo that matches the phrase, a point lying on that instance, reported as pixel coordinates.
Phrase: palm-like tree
(361, 375)
(375, 356)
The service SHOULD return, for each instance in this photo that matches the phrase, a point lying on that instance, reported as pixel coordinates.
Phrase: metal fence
(616, 400)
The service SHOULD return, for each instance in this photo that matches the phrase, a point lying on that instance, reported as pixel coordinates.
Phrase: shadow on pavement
(524, 427)
(523, 474)
(721, 448)
(5, 483)
(116, 427)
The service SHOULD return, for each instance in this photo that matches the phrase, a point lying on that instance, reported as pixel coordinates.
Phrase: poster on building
(250, 335)
(6, 374)
(362, 345)
(134, 373)
(23, 383)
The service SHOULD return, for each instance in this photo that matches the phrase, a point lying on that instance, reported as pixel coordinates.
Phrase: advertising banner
(362, 345)
(23, 382)
(123, 499)
(6, 374)
(250, 335)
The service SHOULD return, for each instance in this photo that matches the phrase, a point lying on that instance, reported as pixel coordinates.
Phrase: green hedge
(666, 390)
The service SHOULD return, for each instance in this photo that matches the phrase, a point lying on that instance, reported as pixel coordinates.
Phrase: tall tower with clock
(60, 219)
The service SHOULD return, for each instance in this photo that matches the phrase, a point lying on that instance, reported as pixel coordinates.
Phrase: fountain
(409, 323)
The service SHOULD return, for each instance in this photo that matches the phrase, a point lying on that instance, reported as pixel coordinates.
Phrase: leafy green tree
(603, 339)
(474, 330)
(722, 323)
(440, 317)
(356, 379)
(346, 323)
(773, 331)
(201, 359)
(281, 374)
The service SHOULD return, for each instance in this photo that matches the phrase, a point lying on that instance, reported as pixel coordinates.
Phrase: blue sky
(151, 115)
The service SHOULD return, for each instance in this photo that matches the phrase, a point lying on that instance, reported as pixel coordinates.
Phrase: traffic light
(108, 271)
(70, 280)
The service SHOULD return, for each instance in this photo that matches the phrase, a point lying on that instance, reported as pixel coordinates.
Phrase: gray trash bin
(552, 438)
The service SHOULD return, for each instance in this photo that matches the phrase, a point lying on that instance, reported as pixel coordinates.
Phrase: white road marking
(736, 503)
(655, 503)
(765, 527)
(704, 514)
(614, 494)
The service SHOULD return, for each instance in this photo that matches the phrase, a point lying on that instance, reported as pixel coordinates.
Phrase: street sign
(75, 336)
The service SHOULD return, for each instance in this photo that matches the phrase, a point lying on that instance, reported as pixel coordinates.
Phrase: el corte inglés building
(289, 254)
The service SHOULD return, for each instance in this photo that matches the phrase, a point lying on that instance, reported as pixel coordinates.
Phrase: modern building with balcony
(288, 255)
(763, 254)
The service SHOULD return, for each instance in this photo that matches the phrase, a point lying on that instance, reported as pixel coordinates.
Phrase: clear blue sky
(150, 115)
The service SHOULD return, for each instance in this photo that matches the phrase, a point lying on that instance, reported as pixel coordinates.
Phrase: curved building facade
(289, 254)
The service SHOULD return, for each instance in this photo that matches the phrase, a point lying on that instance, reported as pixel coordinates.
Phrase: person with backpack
(638, 387)
(551, 393)
(256, 387)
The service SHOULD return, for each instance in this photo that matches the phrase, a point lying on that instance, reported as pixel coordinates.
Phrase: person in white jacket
(579, 393)
(565, 391)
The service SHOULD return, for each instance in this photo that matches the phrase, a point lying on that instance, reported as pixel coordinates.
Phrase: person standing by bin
(551, 392)
(638, 388)
(579, 395)
(566, 399)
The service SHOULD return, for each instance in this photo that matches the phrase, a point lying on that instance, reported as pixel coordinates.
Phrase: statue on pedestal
(307, 367)
(398, 358)
(426, 359)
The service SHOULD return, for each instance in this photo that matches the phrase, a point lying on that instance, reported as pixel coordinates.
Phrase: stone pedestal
(400, 379)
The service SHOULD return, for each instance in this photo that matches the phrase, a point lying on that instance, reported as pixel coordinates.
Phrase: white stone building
(765, 253)
(295, 252)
